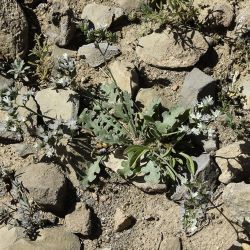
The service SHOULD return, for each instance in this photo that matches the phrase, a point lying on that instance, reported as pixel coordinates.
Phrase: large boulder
(100, 15)
(58, 104)
(13, 30)
(46, 185)
(171, 50)
(55, 238)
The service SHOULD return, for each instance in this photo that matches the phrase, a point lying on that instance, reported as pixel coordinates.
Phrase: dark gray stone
(207, 171)
(7, 137)
(93, 55)
(47, 185)
(197, 85)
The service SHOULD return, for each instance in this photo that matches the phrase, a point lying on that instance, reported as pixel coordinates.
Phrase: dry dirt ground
(157, 218)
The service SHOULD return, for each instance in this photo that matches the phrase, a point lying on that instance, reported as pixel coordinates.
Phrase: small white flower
(210, 133)
(201, 126)
(65, 56)
(72, 124)
(31, 92)
(195, 131)
(206, 118)
(13, 128)
(196, 116)
(24, 99)
(21, 118)
(208, 101)
(49, 151)
(215, 113)
(7, 100)
(184, 128)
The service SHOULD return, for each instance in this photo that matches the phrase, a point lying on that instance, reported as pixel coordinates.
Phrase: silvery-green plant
(20, 211)
(56, 135)
(96, 35)
(19, 70)
(148, 138)
(65, 72)
(194, 206)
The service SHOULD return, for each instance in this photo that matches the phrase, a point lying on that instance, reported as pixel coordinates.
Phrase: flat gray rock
(100, 15)
(56, 238)
(93, 55)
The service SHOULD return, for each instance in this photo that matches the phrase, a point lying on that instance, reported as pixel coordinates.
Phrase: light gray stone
(196, 86)
(46, 185)
(145, 97)
(244, 82)
(93, 55)
(243, 19)
(5, 83)
(129, 5)
(13, 30)
(58, 52)
(209, 145)
(56, 238)
(171, 243)
(122, 221)
(236, 197)
(167, 50)
(59, 104)
(9, 236)
(101, 15)
(215, 13)
(79, 221)
(233, 161)
(126, 76)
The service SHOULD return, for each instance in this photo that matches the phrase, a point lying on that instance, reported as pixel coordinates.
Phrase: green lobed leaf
(152, 173)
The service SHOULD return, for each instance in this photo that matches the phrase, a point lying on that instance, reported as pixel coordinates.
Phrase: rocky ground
(44, 203)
